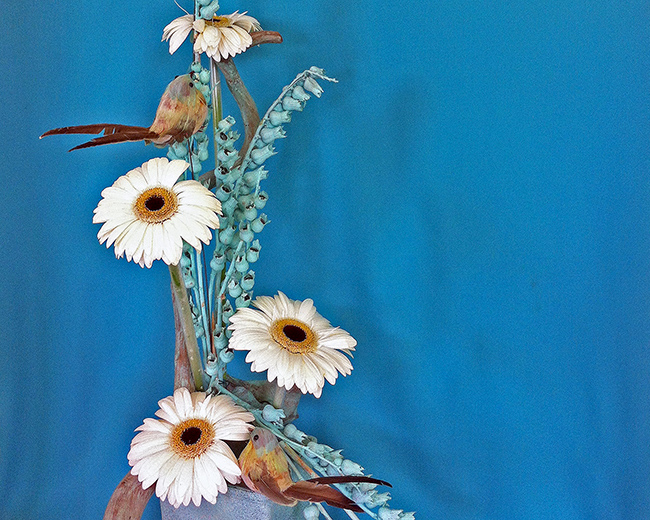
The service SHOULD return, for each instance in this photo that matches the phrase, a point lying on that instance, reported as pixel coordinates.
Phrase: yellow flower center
(192, 438)
(219, 21)
(155, 205)
(294, 336)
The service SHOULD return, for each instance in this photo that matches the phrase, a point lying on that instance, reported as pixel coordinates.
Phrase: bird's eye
(191, 84)
(256, 437)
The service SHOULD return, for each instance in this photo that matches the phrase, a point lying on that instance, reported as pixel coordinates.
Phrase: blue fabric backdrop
(471, 202)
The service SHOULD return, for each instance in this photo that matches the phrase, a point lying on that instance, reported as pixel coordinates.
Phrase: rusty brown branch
(128, 500)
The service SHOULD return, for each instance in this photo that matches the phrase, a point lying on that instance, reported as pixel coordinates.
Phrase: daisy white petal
(219, 38)
(177, 31)
(184, 453)
(292, 343)
(147, 215)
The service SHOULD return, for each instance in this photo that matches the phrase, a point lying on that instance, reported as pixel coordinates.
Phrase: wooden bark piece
(128, 500)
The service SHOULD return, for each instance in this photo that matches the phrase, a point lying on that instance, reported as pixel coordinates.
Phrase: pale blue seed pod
(250, 213)
(288, 103)
(385, 513)
(273, 415)
(374, 499)
(227, 235)
(259, 155)
(226, 355)
(201, 138)
(244, 300)
(204, 2)
(223, 193)
(279, 117)
(268, 134)
(227, 311)
(204, 76)
(203, 154)
(312, 86)
(185, 261)
(225, 124)
(220, 340)
(407, 516)
(241, 264)
(218, 261)
(366, 486)
(172, 156)
(234, 289)
(261, 199)
(226, 156)
(351, 468)
(228, 208)
(311, 512)
(253, 252)
(238, 215)
(245, 232)
(258, 224)
(196, 67)
(294, 433)
(211, 366)
(248, 281)
(179, 149)
(221, 173)
(253, 177)
(298, 93)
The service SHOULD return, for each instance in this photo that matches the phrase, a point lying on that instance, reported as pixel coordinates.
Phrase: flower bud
(241, 264)
(385, 513)
(261, 199)
(259, 155)
(312, 86)
(279, 117)
(253, 177)
(351, 468)
(268, 134)
(245, 232)
(226, 355)
(258, 224)
(243, 301)
(248, 281)
(234, 289)
(288, 103)
(311, 512)
(298, 93)
(273, 415)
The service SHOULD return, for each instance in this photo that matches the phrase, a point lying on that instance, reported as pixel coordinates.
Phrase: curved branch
(260, 37)
(249, 113)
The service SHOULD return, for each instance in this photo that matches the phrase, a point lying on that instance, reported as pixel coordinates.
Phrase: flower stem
(183, 307)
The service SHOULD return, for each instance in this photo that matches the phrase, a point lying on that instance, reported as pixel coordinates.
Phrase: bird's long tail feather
(112, 134)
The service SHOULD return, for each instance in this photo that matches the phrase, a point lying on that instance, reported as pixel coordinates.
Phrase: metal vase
(239, 503)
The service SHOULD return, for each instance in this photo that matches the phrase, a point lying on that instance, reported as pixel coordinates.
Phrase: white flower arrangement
(166, 210)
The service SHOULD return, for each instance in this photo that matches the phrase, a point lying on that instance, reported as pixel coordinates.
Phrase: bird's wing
(268, 486)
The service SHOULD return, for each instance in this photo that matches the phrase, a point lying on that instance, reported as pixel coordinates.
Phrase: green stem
(187, 326)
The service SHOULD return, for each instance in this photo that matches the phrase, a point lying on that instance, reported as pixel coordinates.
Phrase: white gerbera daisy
(292, 342)
(148, 215)
(184, 453)
(221, 37)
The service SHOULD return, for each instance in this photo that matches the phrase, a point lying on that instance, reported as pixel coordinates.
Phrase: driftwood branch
(128, 500)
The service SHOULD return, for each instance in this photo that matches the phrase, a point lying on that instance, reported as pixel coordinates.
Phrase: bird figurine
(265, 469)
(181, 113)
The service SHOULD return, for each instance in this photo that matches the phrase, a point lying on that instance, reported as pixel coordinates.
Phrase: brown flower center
(220, 21)
(294, 336)
(155, 205)
(192, 438)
